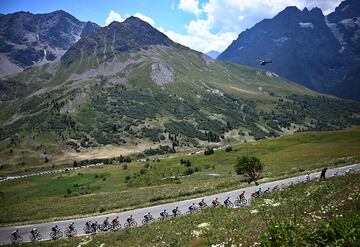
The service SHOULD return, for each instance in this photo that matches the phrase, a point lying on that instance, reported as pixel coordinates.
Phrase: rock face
(115, 38)
(28, 39)
(317, 51)
(161, 74)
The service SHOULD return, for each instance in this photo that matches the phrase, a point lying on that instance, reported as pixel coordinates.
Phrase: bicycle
(229, 204)
(194, 210)
(56, 234)
(70, 232)
(178, 213)
(104, 227)
(89, 229)
(147, 221)
(35, 237)
(115, 226)
(240, 202)
(16, 239)
(130, 224)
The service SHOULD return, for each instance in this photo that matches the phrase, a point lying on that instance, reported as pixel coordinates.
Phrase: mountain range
(128, 86)
(317, 51)
(28, 39)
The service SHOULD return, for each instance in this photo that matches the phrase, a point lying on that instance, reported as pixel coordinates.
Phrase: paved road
(44, 228)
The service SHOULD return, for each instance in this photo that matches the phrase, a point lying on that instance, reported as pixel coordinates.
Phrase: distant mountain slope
(321, 53)
(213, 54)
(28, 39)
(128, 85)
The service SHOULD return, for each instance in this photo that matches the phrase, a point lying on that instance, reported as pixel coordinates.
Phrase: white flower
(254, 211)
(204, 225)
(196, 233)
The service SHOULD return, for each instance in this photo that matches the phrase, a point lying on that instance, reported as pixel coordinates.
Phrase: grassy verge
(311, 214)
(114, 187)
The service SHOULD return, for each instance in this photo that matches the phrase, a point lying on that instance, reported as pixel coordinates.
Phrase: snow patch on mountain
(306, 25)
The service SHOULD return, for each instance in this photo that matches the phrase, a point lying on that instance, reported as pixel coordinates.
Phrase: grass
(86, 191)
(316, 213)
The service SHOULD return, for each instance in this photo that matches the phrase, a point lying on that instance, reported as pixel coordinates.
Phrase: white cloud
(222, 20)
(191, 6)
(145, 18)
(218, 22)
(113, 16)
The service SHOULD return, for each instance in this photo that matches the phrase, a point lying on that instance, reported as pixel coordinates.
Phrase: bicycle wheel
(134, 224)
(144, 222)
(32, 238)
(53, 235)
(243, 201)
(237, 203)
(126, 225)
(38, 236)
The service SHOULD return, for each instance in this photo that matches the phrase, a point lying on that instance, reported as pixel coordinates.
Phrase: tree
(250, 166)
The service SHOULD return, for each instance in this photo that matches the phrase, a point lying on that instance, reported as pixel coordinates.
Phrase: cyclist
(227, 201)
(348, 171)
(275, 187)
(106, 221)
(164, 214)
(147, 216)
(16, 234)
(202, 203)
(175, 211)
(242, 195)
(115, 221)
(192, 207)
(130, 219)
(267, 190)
(215, 202)
(94, 226)
(306, 178)
(71, 226)
(88, 224)
(258, 191)
(55, 229)
(322, 174)
(34, 232)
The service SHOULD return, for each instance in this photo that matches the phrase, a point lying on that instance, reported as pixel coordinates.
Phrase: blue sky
(203, 25)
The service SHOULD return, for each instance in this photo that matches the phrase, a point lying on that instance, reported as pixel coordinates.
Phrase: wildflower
(276, 204)
(254, 211)
(196, 233)
(204, 225)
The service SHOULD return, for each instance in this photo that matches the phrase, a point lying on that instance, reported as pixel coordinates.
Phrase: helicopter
(264, 62)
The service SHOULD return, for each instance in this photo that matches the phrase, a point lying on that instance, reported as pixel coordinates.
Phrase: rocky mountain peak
(133, 33)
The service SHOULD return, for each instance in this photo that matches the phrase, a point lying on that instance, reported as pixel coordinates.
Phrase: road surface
(44, 228)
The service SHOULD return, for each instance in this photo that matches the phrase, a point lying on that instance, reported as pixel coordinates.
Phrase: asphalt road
(138, 214)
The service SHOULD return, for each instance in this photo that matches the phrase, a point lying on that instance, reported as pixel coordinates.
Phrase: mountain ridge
(306, 47)
(34, 39)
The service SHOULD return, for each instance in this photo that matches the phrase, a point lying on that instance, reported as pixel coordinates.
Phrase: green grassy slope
(112, 187)
(83, 106)
(311, 214)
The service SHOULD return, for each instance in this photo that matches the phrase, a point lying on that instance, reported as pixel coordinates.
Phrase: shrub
(209, 151)
(228, 149)
(188, 171)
